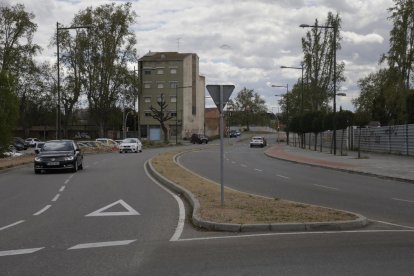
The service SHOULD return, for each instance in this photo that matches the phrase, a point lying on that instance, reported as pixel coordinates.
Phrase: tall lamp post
(176, 110)
(302, 89)
(287, 110)
(58, 71)
(335, 30)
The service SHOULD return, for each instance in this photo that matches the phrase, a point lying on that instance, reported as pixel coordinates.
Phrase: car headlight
(38, 159)
(69, 158)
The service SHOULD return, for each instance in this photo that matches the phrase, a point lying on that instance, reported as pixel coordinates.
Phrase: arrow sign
(214, 90)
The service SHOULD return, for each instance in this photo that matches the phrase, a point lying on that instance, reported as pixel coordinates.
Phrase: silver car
(130, 145)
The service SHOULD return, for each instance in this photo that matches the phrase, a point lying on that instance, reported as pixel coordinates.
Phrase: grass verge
(241, 208)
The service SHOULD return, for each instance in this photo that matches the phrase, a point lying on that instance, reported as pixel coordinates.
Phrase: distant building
(174, 77)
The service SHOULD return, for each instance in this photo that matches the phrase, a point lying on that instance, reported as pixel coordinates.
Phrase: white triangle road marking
(101, 212)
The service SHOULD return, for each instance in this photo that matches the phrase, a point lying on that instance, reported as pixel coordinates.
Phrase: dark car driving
(198, 138)
(58, 154)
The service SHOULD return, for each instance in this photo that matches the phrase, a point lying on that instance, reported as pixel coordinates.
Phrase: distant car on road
(258, 141)
(19, 143)
(130, 144)
(198, 138)
(233, 134)
(58, 155)
(32, 141)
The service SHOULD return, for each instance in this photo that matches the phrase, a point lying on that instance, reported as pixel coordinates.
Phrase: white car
(258, 141)
(130, 144)
(32, 142)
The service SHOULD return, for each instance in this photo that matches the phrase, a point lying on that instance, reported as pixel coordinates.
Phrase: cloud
(361, 39)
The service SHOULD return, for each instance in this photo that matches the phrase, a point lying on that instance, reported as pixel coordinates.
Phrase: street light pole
(176, 110)
(58, 117)
(302, 91)
(334, 26)
(287, 110)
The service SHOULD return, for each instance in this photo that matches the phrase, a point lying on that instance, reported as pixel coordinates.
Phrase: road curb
(360, 222)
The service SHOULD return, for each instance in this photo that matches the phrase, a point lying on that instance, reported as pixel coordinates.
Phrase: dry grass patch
(241, 208)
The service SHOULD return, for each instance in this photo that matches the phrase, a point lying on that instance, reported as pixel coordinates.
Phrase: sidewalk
(382, 165)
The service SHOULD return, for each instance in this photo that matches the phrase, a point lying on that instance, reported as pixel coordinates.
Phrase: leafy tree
(318, 48)
(249, 108)
(101, 55)
(161, 115)
(9, 109)
(16, 33)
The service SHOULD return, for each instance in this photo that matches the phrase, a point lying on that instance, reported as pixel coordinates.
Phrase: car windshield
(57, 146)
(129, 140)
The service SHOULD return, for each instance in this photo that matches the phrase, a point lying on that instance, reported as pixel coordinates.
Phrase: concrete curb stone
(272, 227)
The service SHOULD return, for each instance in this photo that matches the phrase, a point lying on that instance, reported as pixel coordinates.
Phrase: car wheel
(75, 166)
(81, 166)
(120, 151)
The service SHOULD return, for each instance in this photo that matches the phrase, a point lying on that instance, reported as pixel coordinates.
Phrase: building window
(147, 113)
(173, 99)
(173, 71)
(147, 99)
(147, 72)
(160, 85)
(147, 85)
(173, 84)
(173, 114)
(160, 71)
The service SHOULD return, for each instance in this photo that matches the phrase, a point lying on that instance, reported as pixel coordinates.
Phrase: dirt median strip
(241, 208)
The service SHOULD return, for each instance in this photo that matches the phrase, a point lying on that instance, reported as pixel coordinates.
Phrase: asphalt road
(112, 219)
(249, 170)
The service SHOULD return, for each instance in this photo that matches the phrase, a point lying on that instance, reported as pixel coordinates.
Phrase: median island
(241, 208)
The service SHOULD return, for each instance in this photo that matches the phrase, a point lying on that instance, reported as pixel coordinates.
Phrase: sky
(241, 42)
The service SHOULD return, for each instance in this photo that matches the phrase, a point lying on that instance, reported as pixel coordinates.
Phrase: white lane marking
(282, 176)
(72, 175)
(394, 224)
(100, 212)
(296, 233)
(233, 162)
(42, 210)
(19, 251)
(404, 200)
(56, 197)
(258, 170)
(243, 165)
(11, 225)
(181, 216)
(62, 189)
(66, 181)
(326, 187)
(101, 244)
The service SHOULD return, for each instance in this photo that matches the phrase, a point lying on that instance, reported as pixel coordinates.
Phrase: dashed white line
(404, 200)
(56, 197)
(258, 170)
(282, 176)
(42, 210)
(101, 244)
(67, 181)
(326, 187)
(243, 165)
(233, 162)
(394, 224)
(62, 189)
(11, 225)
(19, 251)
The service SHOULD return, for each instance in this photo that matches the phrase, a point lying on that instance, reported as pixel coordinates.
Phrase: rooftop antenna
(178, 44)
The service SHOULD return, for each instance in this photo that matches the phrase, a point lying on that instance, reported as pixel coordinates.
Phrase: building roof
(160, 56)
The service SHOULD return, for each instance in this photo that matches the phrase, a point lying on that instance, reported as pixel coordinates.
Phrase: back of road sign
(214, 91)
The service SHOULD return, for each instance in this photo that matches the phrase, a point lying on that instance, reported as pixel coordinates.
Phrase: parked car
(39, 146)
(58, 155)
(19, 143)
(32, 141)
(233, 134)
(130, 144)
(258, 141)
(108, 142)
(198, 138)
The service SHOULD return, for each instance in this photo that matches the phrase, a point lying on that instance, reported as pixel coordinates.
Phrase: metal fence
(398, 139)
